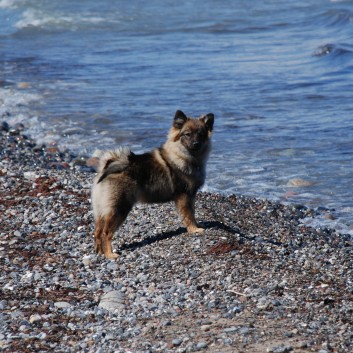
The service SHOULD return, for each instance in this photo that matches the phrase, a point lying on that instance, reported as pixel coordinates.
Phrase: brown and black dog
(173, 172)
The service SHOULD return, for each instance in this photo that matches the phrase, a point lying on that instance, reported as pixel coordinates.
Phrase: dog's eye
(187, 134)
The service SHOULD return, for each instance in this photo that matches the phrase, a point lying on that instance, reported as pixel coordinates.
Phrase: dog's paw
(195, 230)
(111, 256)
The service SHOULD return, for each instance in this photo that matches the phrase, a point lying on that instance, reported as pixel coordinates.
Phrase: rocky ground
(256, 281)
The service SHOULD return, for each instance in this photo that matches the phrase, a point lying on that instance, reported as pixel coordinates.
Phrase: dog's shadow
(171, 234)
(210, 225)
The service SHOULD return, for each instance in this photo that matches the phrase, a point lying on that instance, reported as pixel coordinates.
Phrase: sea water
(278, 75)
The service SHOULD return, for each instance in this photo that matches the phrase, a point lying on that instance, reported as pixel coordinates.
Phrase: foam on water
(15, 100)
(37, 18)
(7, 4)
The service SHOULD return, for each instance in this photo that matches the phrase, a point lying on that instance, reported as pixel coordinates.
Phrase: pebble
(230, 329)
(87, 260)
(297, 183)
(62, 305)
(35, 318)
(31, 175)
(257, 274)
(201, 345)
(205, 327)
(112, 266)
(42, 336)
(112, 300)
(280, 349)
(177, 342)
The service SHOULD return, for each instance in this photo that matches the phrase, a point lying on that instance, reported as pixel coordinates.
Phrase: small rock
(263, 303)
(23, 85)
(244, 330)
(4, 126)
(329, 217)
(205, 327)
(35, 318)
(37, 276)
(298, 183)
(30, 176)
(86, 260)
(42, 336)
(177, 342)
(62, 305)
(71, 326)
(112, 300)
(280, 349)
(92, 162)
(230, 329)
(201, 345)
(52, 150)
(17, 234)
(112, 266)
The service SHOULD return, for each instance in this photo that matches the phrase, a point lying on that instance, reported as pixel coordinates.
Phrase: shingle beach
(258, 280)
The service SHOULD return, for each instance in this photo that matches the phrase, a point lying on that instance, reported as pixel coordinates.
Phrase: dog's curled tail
(113, 161)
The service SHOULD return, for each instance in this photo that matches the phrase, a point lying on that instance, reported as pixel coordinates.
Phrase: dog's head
(193, 134)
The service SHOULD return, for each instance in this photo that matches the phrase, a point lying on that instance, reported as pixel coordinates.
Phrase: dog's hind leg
(112, 222)
(98, 233)
(185, 205)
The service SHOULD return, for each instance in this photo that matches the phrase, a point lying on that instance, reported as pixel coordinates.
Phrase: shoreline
(258, 280)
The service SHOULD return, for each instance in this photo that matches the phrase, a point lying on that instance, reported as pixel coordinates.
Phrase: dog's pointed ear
(179, 119)
(208, 120)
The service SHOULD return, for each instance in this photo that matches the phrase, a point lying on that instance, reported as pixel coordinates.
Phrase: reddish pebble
(92, 162)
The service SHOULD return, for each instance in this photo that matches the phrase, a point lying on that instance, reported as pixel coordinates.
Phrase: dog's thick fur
(173, 172)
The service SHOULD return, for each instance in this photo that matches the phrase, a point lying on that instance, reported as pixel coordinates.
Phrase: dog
(173, 172)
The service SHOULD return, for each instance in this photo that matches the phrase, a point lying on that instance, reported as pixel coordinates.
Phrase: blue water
(278, 75)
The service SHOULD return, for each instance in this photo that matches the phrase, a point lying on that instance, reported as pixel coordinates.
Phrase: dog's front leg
(185, 204)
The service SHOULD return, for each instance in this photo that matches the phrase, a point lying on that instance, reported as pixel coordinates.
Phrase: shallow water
(277, 74)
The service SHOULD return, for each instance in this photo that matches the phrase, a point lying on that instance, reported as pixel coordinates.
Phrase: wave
(335, 18)
(338, 57)
(38, 19)
(333, 50)
(12, 100)
(8, 4)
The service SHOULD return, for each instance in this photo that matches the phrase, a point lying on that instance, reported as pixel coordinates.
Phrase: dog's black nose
(196, 145)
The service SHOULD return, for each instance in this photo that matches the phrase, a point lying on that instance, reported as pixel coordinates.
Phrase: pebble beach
(258, 280)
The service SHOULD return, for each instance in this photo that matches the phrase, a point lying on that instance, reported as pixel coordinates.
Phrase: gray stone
(280, 349)
(231, 329)
(112, 300)
(201, 345)
(112, 266)
(35, 318)
(244, 330)
(42, 336)
(177, 342)
(62, 305)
